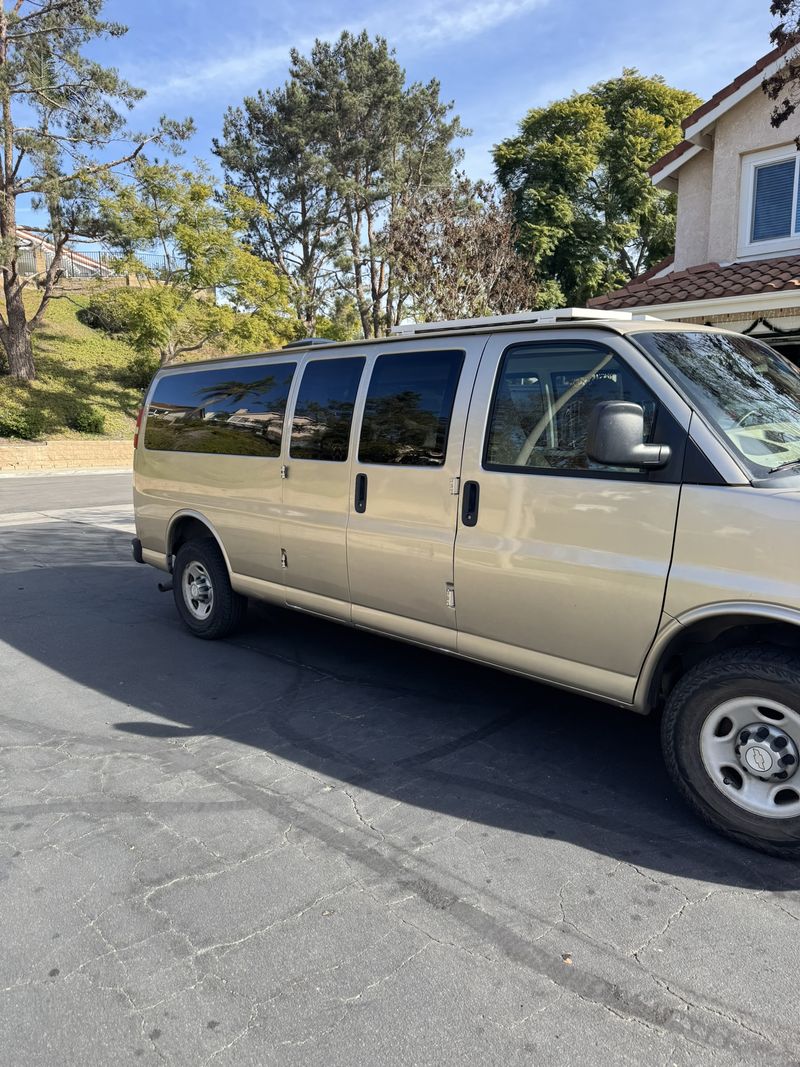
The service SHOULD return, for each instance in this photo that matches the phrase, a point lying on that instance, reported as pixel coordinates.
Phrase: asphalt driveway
(308, 845)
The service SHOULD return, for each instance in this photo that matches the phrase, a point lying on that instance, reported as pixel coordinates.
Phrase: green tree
(454, 249)
(588, 215)
(60, 113)
(271, 151)
(333, 155)
(212, 289)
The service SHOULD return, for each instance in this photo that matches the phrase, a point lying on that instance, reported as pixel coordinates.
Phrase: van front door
(404, 488)
(561, 564)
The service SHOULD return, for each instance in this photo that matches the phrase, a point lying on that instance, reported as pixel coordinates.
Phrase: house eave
(748, 303)
(667, 178)
(706, 122)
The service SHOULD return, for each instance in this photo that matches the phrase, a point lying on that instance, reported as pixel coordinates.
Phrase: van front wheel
(206, 602)
(731, 739)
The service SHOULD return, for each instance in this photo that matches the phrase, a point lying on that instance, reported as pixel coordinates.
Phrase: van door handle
(469, 505)
(361, 493)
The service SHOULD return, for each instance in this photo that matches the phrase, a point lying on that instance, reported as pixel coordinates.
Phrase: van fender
(187, 513)
(738, 612)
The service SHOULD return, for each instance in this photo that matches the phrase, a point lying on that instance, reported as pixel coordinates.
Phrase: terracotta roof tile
(707, 281)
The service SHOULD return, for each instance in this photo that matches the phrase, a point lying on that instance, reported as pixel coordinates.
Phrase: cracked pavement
(309, 845)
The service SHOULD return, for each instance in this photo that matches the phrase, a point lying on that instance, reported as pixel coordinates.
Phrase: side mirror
(616, 437)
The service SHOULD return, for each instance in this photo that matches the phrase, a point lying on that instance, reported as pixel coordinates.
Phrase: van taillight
(138, 427)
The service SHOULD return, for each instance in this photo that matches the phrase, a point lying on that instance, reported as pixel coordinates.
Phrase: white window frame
(750, 165)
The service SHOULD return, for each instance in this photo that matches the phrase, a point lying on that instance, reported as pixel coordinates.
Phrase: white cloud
(458, 21)
(423, 28)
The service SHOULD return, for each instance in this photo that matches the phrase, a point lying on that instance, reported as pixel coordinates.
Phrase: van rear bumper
(136, 550)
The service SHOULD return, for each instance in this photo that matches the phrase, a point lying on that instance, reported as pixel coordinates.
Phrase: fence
(74, 264)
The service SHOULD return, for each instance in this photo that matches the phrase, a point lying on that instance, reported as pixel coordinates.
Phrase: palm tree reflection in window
(233, 416)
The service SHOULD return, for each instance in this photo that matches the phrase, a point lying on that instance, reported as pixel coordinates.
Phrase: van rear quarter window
(236, 411)
(408, 409)
(323, 412)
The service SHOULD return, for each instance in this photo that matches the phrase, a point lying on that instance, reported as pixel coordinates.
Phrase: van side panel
(239, 495)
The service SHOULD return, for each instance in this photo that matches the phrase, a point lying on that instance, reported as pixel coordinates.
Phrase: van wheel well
(187, 528)
(709, 637)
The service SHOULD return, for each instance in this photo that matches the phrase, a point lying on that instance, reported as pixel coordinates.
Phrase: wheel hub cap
(198, 592)
(767, 752)
(750, 747)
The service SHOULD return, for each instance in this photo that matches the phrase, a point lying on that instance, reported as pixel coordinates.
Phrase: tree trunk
(16, 339)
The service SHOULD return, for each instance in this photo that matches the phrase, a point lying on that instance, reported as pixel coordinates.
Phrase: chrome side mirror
(616, 437)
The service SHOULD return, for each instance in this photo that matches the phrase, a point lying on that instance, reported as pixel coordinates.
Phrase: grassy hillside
(78, 368)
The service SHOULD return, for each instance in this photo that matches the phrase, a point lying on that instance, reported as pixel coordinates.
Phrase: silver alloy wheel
(198, 592)
(750, 749)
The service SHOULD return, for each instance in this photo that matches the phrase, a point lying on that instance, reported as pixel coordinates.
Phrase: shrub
(138, 373)
(109, 311)
(20, 423)
(87, 420)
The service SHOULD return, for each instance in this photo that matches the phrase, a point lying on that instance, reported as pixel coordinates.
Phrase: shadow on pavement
(412, 725)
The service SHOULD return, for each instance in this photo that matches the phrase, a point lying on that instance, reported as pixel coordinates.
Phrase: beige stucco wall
(694, 211)
(709, 185)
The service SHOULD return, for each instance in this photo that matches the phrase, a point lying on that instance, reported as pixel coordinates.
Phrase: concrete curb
(62, 472)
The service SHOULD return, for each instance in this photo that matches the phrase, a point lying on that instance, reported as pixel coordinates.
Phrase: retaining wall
(64, 453)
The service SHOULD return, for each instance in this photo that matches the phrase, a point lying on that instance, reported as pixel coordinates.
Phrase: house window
(770, 219)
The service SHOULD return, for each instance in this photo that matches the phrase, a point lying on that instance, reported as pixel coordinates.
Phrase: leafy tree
(783, 86)
(60, 111)
(454, 249)
(271, 151)
(336, 152)
(588, 215)
(212, 288)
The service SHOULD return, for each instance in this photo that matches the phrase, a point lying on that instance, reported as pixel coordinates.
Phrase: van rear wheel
(204, 597)
(731, 740)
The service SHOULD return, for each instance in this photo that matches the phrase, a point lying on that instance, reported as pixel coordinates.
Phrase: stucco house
(737, 244)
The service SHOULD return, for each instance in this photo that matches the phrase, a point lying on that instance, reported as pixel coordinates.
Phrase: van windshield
(747, 392)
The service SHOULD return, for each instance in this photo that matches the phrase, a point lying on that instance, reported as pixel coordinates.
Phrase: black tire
(228, 608)
(764, 673)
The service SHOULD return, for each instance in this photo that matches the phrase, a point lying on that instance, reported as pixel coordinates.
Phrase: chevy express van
(605, 503)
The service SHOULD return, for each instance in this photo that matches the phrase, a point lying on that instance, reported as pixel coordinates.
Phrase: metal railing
(94, 264)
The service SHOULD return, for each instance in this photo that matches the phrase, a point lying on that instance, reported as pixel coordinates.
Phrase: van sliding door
(404, 492)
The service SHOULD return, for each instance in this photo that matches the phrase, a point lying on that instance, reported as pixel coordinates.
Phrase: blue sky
(494, 58)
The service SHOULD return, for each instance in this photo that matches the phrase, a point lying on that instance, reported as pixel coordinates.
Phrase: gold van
(605, 503)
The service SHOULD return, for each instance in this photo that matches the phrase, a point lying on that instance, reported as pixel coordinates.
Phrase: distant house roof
(702, 118)
(709, 281)
(37, 240)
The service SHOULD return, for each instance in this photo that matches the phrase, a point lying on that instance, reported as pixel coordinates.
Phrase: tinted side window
(234, 411)
(324, 409)
(408, 409)
(544, 396)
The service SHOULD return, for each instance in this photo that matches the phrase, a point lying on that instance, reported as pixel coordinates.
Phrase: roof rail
(519, 318)
(306, 342)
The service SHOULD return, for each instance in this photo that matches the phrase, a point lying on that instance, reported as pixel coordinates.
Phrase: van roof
(614, 322)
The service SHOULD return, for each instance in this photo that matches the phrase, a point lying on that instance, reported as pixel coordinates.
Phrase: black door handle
(469, 504)
(361, 493)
